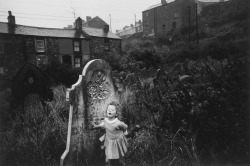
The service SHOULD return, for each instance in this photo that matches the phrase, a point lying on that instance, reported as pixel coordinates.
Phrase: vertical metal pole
(110, 22)
(135, 23)
(197, 34)
(189, 20)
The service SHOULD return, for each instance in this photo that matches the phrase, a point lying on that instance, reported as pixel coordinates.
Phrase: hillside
(221, 23)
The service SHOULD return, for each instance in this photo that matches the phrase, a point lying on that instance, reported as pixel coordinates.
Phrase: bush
(62, 73)
(148, 57)
(209, 112)
(112, 58)
(38, 136)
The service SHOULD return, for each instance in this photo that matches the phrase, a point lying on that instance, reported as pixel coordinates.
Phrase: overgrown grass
(204, 118)
(38, 135)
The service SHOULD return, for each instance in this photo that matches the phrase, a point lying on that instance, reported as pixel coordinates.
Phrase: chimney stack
(11, 19)
(78, 24)
(106, 28)
(163, 2)
(88, 18)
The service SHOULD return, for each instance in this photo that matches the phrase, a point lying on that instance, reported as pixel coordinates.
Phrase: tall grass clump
(151, 143)
(37, 136)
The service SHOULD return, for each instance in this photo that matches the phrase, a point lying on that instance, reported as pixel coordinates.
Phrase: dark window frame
(174, 25)
(106, 44)
(163, 27)
(1, 46)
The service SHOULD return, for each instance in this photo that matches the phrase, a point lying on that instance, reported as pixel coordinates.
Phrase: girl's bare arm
(123, 126)
(97, 126)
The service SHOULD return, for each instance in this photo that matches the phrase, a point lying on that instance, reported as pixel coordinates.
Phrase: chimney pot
(163, 2)
(11, 19)
(88, 18)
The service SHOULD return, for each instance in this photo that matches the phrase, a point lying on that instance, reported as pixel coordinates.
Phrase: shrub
(209, 113)
(62, 73)
(112, 58)
(37, 137)
(148, 57)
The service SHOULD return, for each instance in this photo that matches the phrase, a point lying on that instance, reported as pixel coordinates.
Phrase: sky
(60, 13)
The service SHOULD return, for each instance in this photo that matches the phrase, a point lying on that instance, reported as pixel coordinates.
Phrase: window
(163, 27)
(146, 14)
(176, 15)
(76, 46)
(77, 62)
(41, 60)
(174, 24)
(1, 70)
(1, 49)
(1, 46)
(40, 47)
(106, 44)
(146, 23)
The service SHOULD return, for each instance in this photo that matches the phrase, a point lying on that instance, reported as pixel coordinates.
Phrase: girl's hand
(126, 132)
(94, 125)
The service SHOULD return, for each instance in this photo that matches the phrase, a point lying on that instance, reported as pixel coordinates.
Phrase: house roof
(157, 5)
(154, 6)
(38, 31)
(55, 32)
(96, 32)
(94, 18)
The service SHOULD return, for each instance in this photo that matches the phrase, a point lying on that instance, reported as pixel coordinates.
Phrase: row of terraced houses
(20, 44)
(167, 15)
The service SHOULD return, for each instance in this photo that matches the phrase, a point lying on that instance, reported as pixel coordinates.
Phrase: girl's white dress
(115, 142)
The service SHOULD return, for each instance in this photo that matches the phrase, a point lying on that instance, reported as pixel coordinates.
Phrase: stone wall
(97, 46)
(168, 14)
(30, 49)
(21, 49)
(52, 49)
(13, 56)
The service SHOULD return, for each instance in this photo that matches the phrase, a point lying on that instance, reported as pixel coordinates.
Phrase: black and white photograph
(124, 82)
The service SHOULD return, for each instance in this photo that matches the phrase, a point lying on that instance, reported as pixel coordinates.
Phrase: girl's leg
(107, 162)
(122, 161)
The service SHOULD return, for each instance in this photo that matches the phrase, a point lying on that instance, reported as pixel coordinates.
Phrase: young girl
(115, 143)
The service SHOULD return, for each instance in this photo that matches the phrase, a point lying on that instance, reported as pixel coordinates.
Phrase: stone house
(103, 41)
(95, 22)
(129, 30)
(168, 15)
(20, 44)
